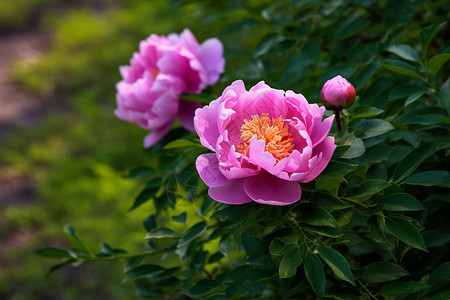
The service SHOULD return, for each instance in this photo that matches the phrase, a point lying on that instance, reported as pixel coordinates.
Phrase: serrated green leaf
(405, 231)
(436, 62)
(382, 272)
(429, 178)
(315, 274)
(405, 52)
(402, 288)
(412, 160)
(290, 262)
(400, 202)
(162, 233)
(337, 263)
(192, 233)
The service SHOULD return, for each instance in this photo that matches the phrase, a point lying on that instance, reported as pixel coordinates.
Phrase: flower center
(154, 73)
(272, 131)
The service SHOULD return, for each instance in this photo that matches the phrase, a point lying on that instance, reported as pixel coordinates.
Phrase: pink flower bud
(337, 93)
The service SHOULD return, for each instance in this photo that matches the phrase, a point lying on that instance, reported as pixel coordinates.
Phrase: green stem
(366, 289)
(397, 251)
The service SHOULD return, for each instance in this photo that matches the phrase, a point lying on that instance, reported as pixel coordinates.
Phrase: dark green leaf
(317, 216)
(400, 202)
(322, 230)
(401, 68)
(436, 238)
(412, 160)
(328, 201)
(337, 263)
(405, 52)
(181, 218)
(140, 172)
(74, 239)
(146, 194)
(369, 188)
(290, 261)
(442, 272)
(162, 233)
(61, 265)
(436, 62)
(429, 178)
(405, 231)
(276, 246)
(363, 77)
(225, 245)
(372, 127)
(141, 271)
(52, 252)
(192, 233)
(413, 97)
(336, 170)
(402, 288)
(315, 274)
(382, 272)
(182, 143)
(365, 111)
(149, 223)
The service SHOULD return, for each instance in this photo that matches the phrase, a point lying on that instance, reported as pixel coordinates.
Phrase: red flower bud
(337, 93)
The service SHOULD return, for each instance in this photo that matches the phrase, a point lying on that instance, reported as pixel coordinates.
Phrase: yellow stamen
(272, 131)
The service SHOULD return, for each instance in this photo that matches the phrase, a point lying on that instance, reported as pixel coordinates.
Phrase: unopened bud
(337, 93)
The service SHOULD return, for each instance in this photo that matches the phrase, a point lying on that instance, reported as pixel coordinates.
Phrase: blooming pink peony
(163, 68)
(265, 141)
(337, 93)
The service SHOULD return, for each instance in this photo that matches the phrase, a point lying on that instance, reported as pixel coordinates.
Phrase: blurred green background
(65, 163)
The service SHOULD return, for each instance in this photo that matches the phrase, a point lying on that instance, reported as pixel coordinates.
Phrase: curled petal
(208, 168)
(232, 193)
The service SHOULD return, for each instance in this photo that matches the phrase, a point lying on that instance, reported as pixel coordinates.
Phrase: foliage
(373, 225)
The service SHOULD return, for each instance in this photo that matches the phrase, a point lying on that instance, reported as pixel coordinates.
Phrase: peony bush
(268, 198)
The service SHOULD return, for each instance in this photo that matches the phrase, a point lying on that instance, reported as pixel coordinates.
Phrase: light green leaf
(436, 62)
(289, 263)
(73, 238)
(405, 231)
(429, 178)
(162, 233)
(192, 233)
(337, 263)
(405, 52)
(412, 160)
(400, 202)
(402, 288)
(315, 274)
(382, 272)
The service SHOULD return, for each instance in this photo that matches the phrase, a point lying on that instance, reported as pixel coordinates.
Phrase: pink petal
(205, 123)
(211, 56)
(207, 167)
(156, 135)
(269, 189)
(323, 152)
(186, 113)
(232, 193)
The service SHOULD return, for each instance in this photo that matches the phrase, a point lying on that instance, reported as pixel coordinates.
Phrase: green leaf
(441, 272)
(202, 98)
(328, 201)
(141, 271)
(356, 148)
(317, 216)
(337, 263)
(225, 245)
(73, 238)
(382, 272)
(412, 98)
(369, 188)
(436, 238)
(402, 288)
(400, 202)
(322, 230)
(400, 67)
(162, 233)
(364, 75)
(315, 274)
(412, 160)
(276, 247)
(181, 218)
(52, 252)
(436, 62)
(365, 111)
(405, 231)
(182, 143)
(405, 52)
(336, 170)
(192, 233)
(61, 265)
(429, 178)
(146, 194)
(427, 35)
(372, 127)
(290, 261)
(202, 287)
(140, 172)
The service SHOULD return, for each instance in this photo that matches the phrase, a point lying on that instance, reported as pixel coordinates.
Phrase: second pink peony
(264, 141)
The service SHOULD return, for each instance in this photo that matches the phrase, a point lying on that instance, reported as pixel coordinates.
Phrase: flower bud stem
(339, 123)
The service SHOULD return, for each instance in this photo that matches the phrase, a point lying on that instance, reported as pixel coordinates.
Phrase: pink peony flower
(265, 141)
(337, 93)
(163, 68)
